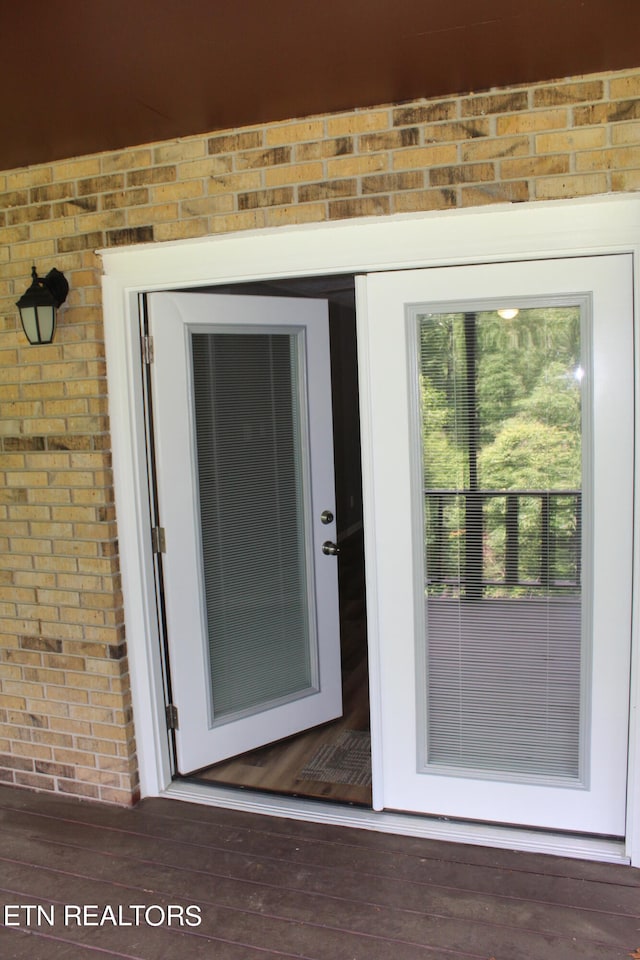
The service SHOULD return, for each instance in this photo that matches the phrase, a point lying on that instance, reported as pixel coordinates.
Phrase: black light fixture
(39, 303)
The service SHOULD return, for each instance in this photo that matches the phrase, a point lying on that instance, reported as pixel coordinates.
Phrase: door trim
(540, 230)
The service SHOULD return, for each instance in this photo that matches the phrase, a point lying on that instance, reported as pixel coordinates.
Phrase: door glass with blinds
(503, 433)
(250, 452)
(243, 443)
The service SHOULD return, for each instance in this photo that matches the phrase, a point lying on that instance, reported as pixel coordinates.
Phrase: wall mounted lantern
(39, 303)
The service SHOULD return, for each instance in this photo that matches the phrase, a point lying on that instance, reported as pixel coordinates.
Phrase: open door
(501, 439)
(244, 461)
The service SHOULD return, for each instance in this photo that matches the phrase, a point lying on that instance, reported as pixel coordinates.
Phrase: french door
(500, 439)
(244, 463)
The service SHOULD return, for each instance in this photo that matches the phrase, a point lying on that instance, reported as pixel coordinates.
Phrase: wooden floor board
(433, 916)
(19, 944)
(275, 888)
(166, 811)
(308, 863)
(387, 910)
(295, 860)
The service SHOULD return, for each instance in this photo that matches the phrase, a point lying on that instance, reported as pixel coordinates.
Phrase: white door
(244, 459)
(500, 436)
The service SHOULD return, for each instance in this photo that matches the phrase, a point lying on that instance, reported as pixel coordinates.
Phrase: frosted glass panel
(502, 466)
(250, 474)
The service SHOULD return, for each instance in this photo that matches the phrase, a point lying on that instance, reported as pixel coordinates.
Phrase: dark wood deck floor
(267, 887)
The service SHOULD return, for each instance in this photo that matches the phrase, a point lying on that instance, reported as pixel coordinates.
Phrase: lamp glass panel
(28, 316)
(46, 323)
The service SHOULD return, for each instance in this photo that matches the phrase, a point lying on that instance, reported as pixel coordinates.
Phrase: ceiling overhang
(87, 77)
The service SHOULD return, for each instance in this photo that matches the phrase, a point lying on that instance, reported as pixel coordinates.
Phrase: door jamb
(600, 225)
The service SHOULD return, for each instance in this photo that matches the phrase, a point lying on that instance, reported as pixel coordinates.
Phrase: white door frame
(599, 225)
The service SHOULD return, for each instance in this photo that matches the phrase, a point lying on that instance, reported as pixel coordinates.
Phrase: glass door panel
(251, 453)
(241, 390)
(500, 493)
(501, 428)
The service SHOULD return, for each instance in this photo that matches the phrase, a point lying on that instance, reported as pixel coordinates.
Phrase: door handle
(330, 549)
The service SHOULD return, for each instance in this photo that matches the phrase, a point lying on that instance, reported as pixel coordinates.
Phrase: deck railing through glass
(503, 543)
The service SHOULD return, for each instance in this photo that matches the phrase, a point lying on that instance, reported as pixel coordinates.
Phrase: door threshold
(429, 828)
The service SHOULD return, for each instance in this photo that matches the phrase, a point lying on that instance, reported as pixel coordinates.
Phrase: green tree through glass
(501, 412)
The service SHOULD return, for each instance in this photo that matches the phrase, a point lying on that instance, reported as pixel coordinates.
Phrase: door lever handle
(330, 549)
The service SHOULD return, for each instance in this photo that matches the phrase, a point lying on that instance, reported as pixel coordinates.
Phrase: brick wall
(65, 713)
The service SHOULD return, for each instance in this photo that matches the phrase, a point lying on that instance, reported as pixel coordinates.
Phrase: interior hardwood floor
(277, 767)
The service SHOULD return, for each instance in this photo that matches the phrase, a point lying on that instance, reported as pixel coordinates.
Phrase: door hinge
(172, 716)
(147, 349)
(158, 540)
